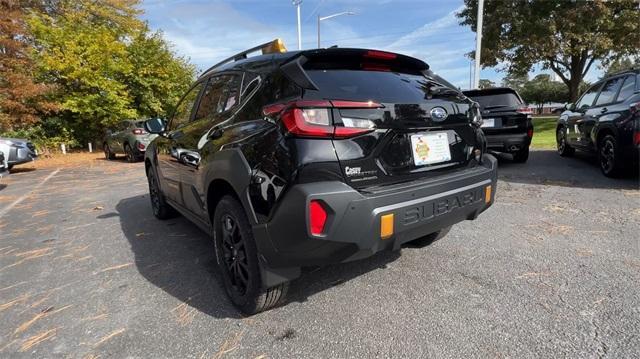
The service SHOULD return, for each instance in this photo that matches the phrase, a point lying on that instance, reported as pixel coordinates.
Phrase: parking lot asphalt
(551, 270)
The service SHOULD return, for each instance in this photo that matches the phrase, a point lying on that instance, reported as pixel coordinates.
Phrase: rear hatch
(419, 127)
(503, 111)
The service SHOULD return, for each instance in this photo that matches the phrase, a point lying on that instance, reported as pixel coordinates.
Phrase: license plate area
(488, 122)
(430, 148)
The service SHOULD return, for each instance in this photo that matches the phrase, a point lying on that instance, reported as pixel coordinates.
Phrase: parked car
(17, 151)
(606, 121)
(306, 158)
(506, 121)
(129, 138)
(3, 165)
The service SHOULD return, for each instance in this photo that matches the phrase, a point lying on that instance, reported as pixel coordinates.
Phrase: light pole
(476, 79)
(297, 3)
(329, 17)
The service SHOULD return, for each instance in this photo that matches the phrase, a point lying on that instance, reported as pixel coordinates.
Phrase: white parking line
(23, 197)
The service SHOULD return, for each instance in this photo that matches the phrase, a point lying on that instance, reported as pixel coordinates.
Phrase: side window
(220, 95)
(627, 89)
(183, 110)
(609, 91)
(251, 81)
(230, 93)
(210, 98)
(588, 97)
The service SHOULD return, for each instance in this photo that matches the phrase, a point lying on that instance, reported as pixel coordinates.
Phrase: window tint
(210, 98)
(588, 97)
(251, 81)
(627, 89)
(609, 91)
(183, 111)
(372, 85)
(220, 95)
(230, 93)
(498, 100)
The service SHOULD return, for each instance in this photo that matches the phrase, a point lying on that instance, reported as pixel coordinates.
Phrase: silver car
(3, 165)
(129, 138)
(17, 151)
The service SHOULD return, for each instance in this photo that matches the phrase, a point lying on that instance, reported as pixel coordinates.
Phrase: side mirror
(570, 106)
(155, 126)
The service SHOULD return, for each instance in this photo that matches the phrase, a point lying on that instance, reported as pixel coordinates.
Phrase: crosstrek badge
(430, 148)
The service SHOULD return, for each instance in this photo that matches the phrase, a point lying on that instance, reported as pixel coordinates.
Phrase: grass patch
(544, 132)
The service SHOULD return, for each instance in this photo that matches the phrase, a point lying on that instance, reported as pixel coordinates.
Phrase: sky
(207, 31)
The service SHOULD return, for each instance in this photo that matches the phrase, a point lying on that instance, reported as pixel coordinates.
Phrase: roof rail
(267, 48)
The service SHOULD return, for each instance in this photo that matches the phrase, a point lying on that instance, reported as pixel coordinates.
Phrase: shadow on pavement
(178, 258)
(546, 167)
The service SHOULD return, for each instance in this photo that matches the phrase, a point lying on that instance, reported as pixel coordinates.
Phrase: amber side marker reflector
(487, 194)
(386, 226)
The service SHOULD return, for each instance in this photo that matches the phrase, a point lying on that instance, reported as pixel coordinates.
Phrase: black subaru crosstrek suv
(506, 121)
(606, 121)
(307, 158)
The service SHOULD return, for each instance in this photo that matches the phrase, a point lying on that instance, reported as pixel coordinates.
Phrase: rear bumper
(353, 226)
(510, 142)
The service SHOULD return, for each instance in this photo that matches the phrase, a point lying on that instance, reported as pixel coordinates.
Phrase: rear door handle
(604, 110)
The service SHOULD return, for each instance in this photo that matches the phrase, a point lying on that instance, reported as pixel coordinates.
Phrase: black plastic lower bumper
(511, 142)
(353, 229)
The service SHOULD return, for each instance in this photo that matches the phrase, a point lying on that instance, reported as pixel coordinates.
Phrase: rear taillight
(530, 133)
(636, 138)
(141, 146)
(314, 118)
(139, 131)
(317, 217)
(524, 110)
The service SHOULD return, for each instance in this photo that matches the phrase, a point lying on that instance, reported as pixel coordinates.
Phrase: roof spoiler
(294, 71)
(275, 46)
(346, 58)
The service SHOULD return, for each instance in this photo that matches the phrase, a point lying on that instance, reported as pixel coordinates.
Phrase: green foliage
(564, 36)
(485, 84)
(543, 90)
(105, 64)
(515, 81)
(622, 64)
(159, 78)
(46, 135)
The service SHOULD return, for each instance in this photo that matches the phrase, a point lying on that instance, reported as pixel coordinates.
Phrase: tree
(22, 99)
(566, 37)
(622, 64)
(515, 81)
(541, 90)
(106, 64)
(158, 78)
(486, 83)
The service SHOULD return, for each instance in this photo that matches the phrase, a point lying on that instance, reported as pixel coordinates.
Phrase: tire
(107, 152)
(128, 151)
(161, 209)
(564, 149)
(521, 156)
(430, 238)
(9, 167)
(609, 156)
(237, 257)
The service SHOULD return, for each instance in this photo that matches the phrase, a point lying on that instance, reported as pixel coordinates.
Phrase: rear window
(497, 100)
(372, 85)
